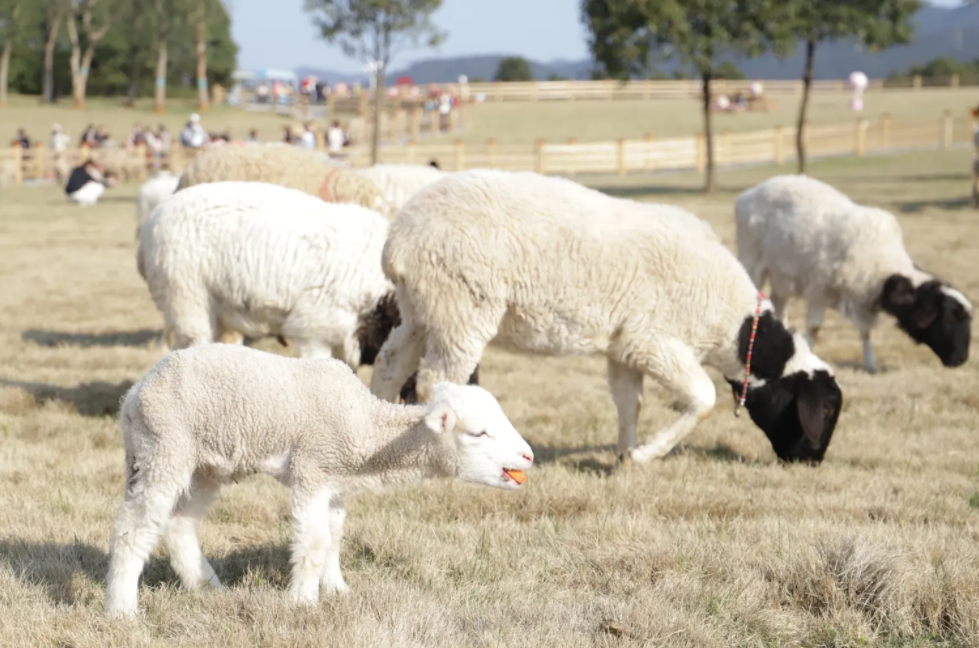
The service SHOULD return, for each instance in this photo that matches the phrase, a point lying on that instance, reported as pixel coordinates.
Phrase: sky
(544, 30)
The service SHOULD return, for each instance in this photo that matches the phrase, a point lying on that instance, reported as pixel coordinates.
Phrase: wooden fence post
(416, 123)
(491, 152)
(620, 157)
(861, 143)
(539, 156)
(459, 152)
(499, 90)
(39, 160)
(572, 167)
(700, 147)
(331, 104)
(947, 125)
(453, 120)
(885, 130)
(436, 123)
(916, 82)
(647, 145)
(18, 164)
(533, 91)
(141, 154)
(778, 134)
(954, 81)
(411, 152)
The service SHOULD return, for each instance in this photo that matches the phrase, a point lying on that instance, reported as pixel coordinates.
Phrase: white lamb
(260, 259)
(809, 240)
(544, 265)
(399, 182)
(205, 416)
(152, 193)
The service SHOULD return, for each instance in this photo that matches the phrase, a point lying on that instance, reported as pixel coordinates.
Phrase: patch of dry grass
(717, 545)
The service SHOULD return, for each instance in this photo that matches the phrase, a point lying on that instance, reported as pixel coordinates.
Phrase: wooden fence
(621, 157)
(770, 146)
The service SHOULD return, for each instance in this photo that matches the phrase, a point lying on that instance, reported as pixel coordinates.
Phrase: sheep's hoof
(623, 462)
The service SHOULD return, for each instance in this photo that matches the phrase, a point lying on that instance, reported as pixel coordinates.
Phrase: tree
(626, 35)
(54, 11)
(730, 71)
(81, 61)
(876, 24)
(514, 68)
(200, 31)
(135, 23)
(163, 12)
(376, 31)
(9, 20)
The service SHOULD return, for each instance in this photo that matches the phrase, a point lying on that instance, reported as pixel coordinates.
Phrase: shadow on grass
(138, 338)
(633, 191)
(721, 453)
(98, 398)
(249, 567)
(951, 204)
(54, 565)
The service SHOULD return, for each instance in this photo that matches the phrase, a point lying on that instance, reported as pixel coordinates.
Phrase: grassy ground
(717, 545)
(518, 123)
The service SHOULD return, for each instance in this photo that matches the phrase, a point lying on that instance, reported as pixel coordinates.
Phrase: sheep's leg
(313, 349)
(332, 579)
(181, 540)
(137, 528)
(448, 361)
(625, 384)
(397, 360)
(312, 542)
(227, 335)
(192, 328)
(815, 311)
(869, 359)
(674, 365)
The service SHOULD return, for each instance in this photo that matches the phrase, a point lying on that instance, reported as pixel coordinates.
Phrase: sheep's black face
(933, 314)
(374, 327)
(793, 396)
(797, 413)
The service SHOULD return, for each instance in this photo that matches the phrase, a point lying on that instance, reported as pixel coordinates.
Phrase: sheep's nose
(529, 457)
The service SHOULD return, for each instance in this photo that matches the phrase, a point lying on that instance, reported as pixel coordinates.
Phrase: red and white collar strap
(739, 402)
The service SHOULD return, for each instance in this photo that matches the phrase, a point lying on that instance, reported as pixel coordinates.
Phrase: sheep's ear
(441, 419)
(898, 294)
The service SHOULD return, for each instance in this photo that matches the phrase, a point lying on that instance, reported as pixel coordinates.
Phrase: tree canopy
(514, 68)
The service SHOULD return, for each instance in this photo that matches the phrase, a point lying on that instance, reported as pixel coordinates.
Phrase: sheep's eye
(484, 433)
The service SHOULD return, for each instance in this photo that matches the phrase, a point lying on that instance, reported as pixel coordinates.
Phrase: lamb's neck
(402, 449)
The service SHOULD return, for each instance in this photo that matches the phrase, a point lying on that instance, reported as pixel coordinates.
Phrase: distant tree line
(76, 48)
(943, 67)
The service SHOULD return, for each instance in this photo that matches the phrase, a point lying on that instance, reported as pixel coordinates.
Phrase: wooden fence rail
(770, 146)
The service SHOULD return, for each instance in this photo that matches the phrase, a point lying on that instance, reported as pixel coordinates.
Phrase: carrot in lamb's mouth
(518, 476)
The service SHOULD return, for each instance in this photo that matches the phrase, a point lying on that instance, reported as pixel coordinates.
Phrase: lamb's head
(932, 313)
(478, 442)
(792, 394)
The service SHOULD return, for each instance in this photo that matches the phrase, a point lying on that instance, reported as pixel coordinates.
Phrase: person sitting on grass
(87, 182)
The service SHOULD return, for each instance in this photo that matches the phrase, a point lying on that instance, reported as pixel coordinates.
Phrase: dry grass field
(717, 545)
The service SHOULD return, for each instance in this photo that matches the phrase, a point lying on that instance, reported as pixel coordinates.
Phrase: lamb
(259, 259)
(286, 166)
(215, 413)
(399, 182)
(152, 193)
(550, 267)
(808, 239)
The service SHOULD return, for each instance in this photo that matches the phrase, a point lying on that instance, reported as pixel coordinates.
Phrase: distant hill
(939, 31)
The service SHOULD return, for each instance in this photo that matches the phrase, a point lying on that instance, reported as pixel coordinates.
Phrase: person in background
(88, 137)
(308, 138)
(136, 137)
(101, 136)
(287, 134)
(193, 135)
(22, 139)
(166, 142)
(253, 136)
(335, 138)
(59, 139)
(87, 182)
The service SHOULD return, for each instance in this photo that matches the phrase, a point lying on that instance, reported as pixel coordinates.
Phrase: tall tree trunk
(160, 94)
(54, 25)
(201, 33)
(800, 134)
(8, 46)
(135, 38)
(378, 107)
(709, 184)
(77, 98)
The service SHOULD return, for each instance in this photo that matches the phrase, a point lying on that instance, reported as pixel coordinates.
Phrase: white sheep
(259, 259)
(152, 193)
(809, 240)
(544, 265)
(208, 415)
(399, 182)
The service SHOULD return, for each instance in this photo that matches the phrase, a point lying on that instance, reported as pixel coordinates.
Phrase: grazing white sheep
(152, 193)
(205, 416)
(260, 260)
(809, 240)
(544, 265)
(399, 182)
